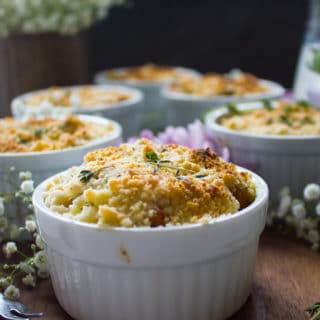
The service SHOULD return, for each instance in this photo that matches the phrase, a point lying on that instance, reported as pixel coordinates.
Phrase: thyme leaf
(152, 156)
(85, 175)
(283, 118)
(201, 176)
(267, 105)
(233, 108)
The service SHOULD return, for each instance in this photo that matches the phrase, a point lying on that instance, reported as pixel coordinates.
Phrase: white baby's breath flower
(9, 249)
(313, 236)
(25, 175)
(285, 191)
(39, 242)
(29, 280)
(12, 169)
(31, 226)
(12, 292)
(40, 261)
(299, 211)
(26, 268)
(318, 209)
(4, 282)
(312, 191)
(27, 186)
(284, 206)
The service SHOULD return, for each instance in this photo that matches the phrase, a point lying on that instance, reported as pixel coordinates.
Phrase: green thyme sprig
(314, 311)
(85, 175)
(153, 157)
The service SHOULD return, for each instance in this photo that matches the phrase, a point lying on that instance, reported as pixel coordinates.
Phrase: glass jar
(307, 78)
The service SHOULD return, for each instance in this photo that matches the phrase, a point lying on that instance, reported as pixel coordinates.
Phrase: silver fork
(14, 310)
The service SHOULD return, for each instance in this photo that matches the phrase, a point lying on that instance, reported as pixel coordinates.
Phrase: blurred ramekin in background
(282, 160)
(154, 107)
(126, 112)
(183, 108)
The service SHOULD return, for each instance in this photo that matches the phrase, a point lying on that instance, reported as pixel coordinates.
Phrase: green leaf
(85, 175)
(152, 156)
(22, 140)
(303, 103)
(283, 118)
(314, 65)
(38, 132)
(314, 311)
(267, 105)
(233, 108)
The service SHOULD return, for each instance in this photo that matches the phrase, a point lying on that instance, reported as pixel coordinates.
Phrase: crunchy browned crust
(182, 186)
(35, 135)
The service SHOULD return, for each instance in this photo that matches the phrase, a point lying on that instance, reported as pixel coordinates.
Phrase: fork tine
(5, 317)
(26, 314)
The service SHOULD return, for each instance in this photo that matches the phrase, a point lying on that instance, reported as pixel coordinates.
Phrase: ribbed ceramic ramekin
(154, 107)
(184, 108)
(281, 160)
(179, 272)
(127, 112)
(45, 164)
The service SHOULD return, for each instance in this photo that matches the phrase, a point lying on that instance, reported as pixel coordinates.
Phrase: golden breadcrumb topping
(35, 135)
(147, 184)
(281, 118)
(146, 72)
(213, 84)
(87, 96)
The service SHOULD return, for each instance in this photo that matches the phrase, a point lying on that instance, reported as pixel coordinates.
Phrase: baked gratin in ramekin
(279, 140)
(190, 98)
(152, 232)
(118, 103)
(145, 184)
(49, 145)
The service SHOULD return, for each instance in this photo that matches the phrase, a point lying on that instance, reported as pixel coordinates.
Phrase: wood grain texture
(286, 281)
(30, 62)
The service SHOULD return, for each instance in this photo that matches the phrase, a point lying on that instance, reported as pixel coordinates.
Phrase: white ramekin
(179, 272)
(45, 164)
(154, 107)
(127, 112)
(281, 160)
(184, 108)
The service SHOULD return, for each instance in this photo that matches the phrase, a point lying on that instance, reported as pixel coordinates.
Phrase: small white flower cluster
(63, 16)
(303, 215)
(29, 268)
(20, 189)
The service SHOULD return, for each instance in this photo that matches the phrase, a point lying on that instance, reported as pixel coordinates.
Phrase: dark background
(262, 37)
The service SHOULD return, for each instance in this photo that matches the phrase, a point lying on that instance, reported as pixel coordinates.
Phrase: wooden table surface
(286, 281)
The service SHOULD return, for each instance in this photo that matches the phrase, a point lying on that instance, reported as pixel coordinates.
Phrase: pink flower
(194, 136)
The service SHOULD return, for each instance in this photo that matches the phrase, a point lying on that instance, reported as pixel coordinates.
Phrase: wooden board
(287, 280)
